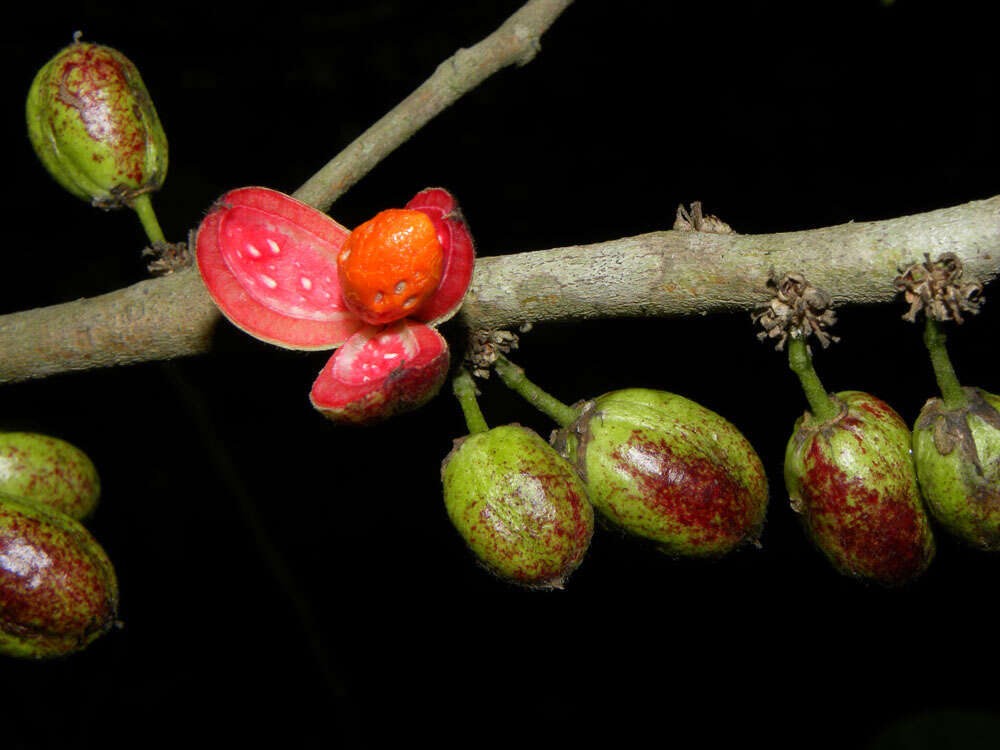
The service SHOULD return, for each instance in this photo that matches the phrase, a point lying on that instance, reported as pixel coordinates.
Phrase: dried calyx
(956, 438)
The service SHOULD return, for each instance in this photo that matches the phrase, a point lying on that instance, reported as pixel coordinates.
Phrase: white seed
(400, 287)
(253, 251)
(268, 281)
(390, 355)
(306, 283)
(273, 245)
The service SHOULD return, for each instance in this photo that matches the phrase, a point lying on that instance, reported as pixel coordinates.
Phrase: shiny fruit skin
(962, 486)
(664, 468)
(49, 471)
(853, 482)
(58, 590)
(520, 507)
(93, 125)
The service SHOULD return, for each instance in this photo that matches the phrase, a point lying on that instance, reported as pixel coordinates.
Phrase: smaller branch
(516, 42)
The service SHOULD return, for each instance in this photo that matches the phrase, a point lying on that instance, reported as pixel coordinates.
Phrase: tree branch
(659, 274)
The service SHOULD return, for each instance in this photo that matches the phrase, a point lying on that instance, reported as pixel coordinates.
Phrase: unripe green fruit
(957, 455)
(521, 508)
(58, 590)
(94, 127)
(667, 469)
(48, 471)
(853, 482)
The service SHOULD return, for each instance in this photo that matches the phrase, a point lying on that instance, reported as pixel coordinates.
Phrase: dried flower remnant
(798, 309)
(935, 287)
(695, 221)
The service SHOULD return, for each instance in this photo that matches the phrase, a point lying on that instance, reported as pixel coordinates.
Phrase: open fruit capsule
(270, 263)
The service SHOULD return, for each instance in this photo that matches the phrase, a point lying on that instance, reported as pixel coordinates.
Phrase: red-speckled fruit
(664, 468)
(93, 125)
(853, 482)
(521, 508)
(459, 254)
(270, 263)
(58, 591)
(380, 372)
(49, 471)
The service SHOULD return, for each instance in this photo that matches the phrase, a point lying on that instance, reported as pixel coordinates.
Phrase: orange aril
(390, 265)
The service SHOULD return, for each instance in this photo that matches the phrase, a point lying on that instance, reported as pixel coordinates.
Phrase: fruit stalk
(515, 379)
(800, 360)
(464, 388)
(143, 207)
(951, 390)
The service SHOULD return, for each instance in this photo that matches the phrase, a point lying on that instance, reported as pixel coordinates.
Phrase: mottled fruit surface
(390, 265)
(49, 471)
(381, 372)
(58, 591)
(94, 127)
(957, 455)
(667, 469)
(853, 482)
(520, 507)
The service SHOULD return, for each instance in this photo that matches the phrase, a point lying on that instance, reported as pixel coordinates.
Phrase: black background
(270, 561)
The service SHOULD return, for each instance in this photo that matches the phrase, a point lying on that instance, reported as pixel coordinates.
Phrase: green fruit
(957, 455)
(58, 591)
(521, 508)
(669, 470)
(49, 471)
(94, 127)
(853, 482)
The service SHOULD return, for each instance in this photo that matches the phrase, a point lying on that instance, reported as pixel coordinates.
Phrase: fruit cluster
(58, 590)
(652, 463)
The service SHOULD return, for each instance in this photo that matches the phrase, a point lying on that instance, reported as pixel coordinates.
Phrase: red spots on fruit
(51, 584)
(697, 496)
(859, 498)
(878, 534)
